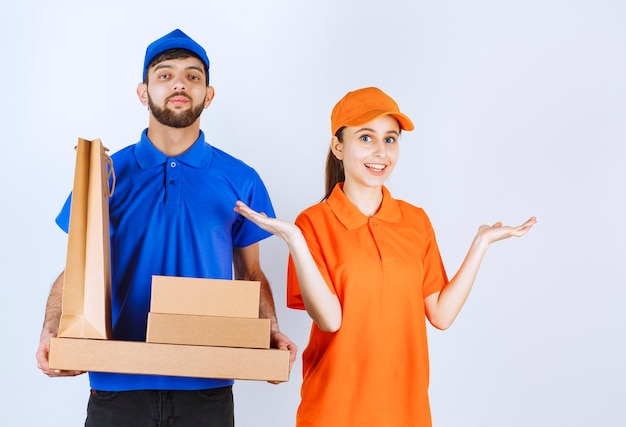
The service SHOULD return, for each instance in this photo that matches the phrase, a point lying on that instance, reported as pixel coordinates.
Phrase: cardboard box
(168, 359)
(208, 330)
(205, 297)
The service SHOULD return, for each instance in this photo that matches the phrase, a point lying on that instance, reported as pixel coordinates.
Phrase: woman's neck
(366, 199)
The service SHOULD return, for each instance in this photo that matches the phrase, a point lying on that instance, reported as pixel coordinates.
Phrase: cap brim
(403, 120)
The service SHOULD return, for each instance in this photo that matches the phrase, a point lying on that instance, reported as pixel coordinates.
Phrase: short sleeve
(294, 294)
(63, 218)
(435, 277)
(246, 232)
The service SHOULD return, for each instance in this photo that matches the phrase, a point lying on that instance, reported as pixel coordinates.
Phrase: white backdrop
(519, 108)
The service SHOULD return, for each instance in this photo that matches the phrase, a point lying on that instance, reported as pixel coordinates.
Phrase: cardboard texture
(208, 330)
(87, 285)
(205, 297)
(169, 359)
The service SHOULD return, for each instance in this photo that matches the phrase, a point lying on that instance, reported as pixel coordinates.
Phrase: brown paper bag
(86, 308)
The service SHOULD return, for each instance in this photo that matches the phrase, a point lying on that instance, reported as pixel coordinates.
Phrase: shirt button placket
(172, 178)
(376, 235)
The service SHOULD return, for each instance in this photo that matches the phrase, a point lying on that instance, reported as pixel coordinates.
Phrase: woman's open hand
(495, 232)
(278, 227)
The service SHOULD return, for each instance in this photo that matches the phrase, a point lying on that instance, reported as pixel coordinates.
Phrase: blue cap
(174, 40)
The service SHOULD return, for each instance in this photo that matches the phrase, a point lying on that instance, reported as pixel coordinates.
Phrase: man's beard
(175, 119)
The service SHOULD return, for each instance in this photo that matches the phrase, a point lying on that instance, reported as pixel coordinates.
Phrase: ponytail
(334, 168)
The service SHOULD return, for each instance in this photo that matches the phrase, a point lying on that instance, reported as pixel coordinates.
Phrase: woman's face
(369, 152)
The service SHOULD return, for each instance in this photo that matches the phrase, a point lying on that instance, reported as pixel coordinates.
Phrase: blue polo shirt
(172, 216)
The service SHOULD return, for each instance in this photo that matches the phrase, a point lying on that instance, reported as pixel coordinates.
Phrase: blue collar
(198, 155)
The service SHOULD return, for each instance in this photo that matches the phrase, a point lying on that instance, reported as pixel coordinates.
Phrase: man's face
(177, 92)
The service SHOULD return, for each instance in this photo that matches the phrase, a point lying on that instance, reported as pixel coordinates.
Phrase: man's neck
(172, 141)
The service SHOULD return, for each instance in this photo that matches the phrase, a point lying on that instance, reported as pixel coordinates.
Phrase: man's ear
(337, 147)
(142, 93)
(210, 93)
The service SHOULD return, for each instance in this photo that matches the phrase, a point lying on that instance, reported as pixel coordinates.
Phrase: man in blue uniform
(171, 214)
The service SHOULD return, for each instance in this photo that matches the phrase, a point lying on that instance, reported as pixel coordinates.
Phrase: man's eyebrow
(169, 66)
(194, 67)
(161, 66)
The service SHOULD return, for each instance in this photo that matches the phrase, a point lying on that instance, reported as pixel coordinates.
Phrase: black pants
(160, 408)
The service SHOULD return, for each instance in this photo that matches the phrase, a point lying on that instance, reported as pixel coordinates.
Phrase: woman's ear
(336, 147)
(142, 93)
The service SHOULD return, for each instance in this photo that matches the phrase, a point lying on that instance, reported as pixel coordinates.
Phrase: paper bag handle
(111, 179)
(111, 174)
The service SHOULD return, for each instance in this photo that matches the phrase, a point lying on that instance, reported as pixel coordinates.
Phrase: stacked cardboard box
(223, 313)
(196, 327)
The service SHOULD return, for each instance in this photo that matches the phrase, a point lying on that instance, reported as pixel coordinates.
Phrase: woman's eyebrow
(372, 130)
